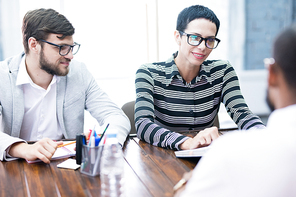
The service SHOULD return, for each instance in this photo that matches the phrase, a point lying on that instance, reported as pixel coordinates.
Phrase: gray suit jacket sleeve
(11, 105)
(77, 92)
(6, 141)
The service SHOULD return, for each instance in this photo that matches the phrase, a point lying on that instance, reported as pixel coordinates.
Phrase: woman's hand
(203, 138)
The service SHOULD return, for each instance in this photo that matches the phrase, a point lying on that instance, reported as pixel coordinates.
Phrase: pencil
(66, 144)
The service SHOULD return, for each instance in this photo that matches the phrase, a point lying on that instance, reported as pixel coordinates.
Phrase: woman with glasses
(185, 92)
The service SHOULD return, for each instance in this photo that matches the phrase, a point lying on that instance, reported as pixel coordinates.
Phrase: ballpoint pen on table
(183, 181)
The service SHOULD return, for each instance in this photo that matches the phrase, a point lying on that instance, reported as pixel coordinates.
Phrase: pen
(104, 131)
(180, 184)
(183, 181)
(97, 140)
(88, 134)
(83, 140)
(92, 149)
(66, 144)
(89, 139)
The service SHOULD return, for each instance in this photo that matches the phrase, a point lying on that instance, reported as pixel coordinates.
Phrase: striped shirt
(166, 103)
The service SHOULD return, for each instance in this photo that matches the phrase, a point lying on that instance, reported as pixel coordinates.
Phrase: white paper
(199, 152)
(69, 164)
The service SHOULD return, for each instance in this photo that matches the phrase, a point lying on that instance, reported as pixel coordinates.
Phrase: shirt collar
(24, 78)
(172, 71)
(280, 118)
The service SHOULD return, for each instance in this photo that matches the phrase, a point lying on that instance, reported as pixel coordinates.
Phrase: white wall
(11, 24)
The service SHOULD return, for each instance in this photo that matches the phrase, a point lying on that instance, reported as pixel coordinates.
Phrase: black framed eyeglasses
(65, 48)
(195, 40)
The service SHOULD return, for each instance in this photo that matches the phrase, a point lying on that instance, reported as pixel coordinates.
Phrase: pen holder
(91, 157)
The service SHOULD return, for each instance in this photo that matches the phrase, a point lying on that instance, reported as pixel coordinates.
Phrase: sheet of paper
(199, 152)
(64, 151)
(69, 164)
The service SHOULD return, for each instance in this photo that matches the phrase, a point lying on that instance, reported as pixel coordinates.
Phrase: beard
(269, 103)
(50, 68)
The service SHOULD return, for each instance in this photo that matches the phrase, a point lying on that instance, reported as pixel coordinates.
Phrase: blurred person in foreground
(44, 92)
(257, 163)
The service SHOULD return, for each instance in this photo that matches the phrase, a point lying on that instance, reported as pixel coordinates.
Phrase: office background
(117, 36)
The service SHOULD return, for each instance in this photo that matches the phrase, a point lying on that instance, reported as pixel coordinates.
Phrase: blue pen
(97, 138)
(83, 140)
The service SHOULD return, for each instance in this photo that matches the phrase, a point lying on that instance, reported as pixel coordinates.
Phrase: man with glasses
(257, 163)
(185, 92)
(44, 92)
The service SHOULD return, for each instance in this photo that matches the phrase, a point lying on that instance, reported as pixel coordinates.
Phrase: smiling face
(49, 58)
(193, 56)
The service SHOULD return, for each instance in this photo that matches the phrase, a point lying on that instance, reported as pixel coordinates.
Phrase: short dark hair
(40, 23)
(284, 54)
(195, 12)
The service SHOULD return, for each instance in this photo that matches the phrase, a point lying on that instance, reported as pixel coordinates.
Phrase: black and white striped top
(166, 102)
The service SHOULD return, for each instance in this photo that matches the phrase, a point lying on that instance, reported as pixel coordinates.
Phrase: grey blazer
(76, 92)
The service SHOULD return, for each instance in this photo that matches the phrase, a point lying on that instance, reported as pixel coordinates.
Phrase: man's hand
(43, 150)
(203, 138)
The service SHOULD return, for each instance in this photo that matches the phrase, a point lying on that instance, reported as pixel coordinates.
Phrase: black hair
(195, 12)
(41, 22)
(284, 54)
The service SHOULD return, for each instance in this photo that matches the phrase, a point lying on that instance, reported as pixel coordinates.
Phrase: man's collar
(23, 76)
(282, 117)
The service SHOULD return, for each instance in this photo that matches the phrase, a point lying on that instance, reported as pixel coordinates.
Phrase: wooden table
(149, 171)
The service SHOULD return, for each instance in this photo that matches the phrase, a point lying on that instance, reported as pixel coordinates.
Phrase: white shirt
(252, 163)
(40, 119)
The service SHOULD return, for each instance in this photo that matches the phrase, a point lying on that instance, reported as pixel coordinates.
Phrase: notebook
(61, 153)
(199, 152)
